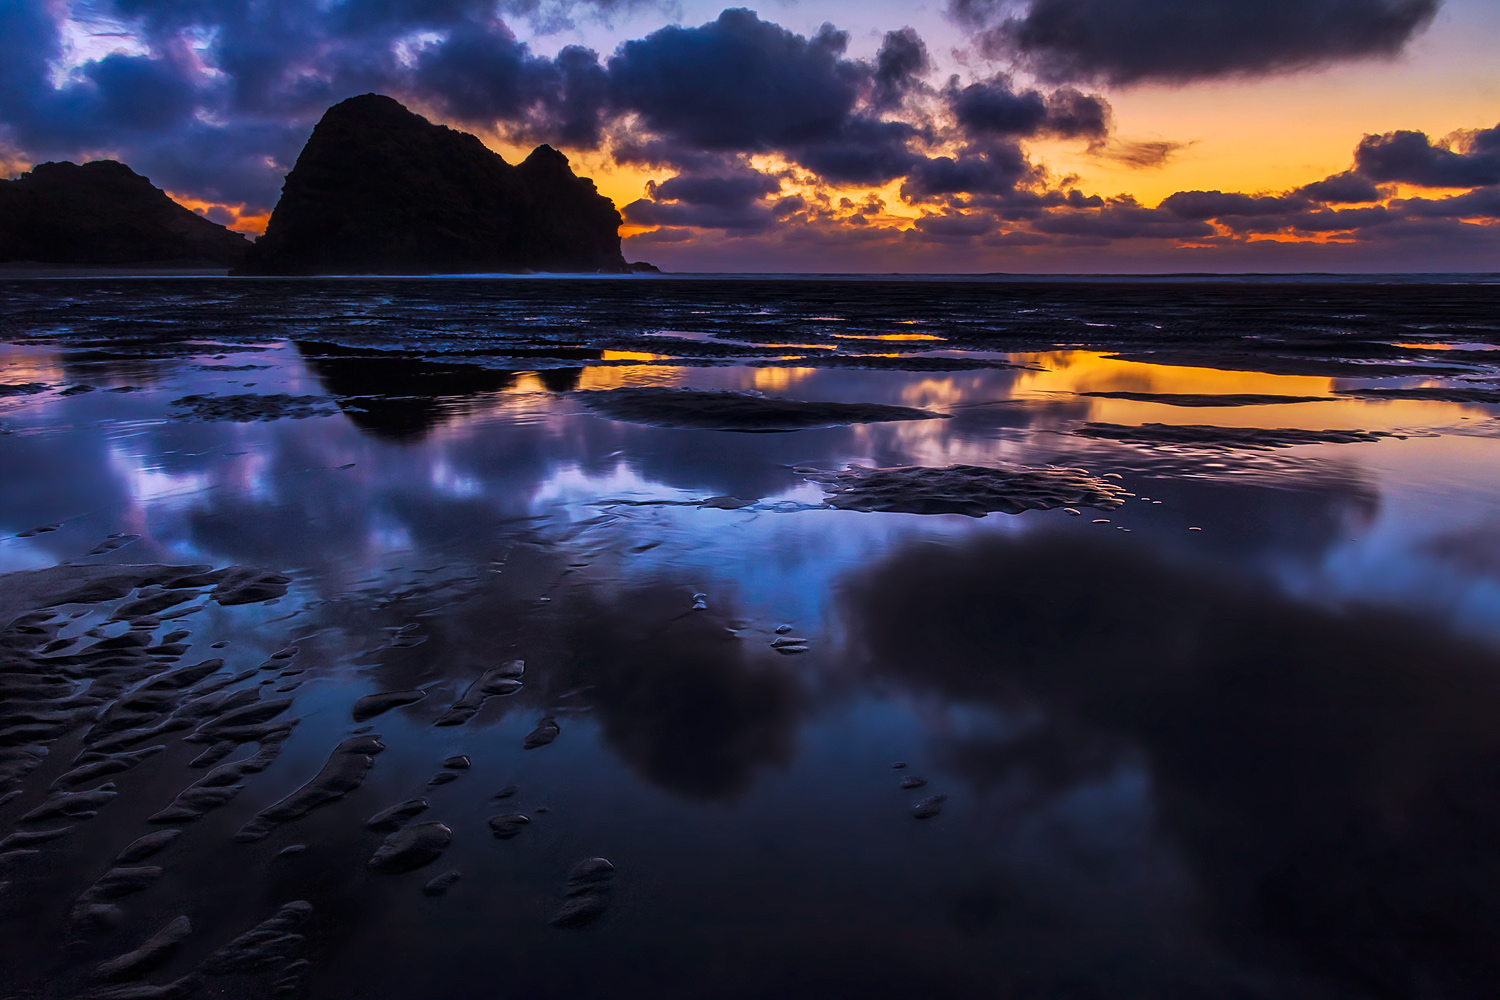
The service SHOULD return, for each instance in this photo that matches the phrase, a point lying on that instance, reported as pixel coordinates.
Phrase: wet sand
(431, 639)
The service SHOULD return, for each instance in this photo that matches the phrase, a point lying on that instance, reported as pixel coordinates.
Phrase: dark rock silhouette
(105, 214)
(381, 190)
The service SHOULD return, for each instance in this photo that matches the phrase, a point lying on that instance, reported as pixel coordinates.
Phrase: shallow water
(1230, 730)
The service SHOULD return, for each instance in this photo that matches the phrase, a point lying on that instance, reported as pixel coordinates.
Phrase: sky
(1028, 136)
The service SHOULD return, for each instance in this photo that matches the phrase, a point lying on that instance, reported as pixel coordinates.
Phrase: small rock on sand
(929, 807)
(589, 887)
(507, 826)
(410, 848)
(545, 732)
(441, 884)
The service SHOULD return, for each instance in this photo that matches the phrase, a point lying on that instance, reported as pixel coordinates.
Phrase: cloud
(1412, 158)
(899, 66)
(1139, 154)
(731, 191)
(1345, 188)
(1484, 203)
(1123, 219)
(864, 151)
(993, 107)
(483, 74)
(747, 217)
(1133, 41)
(954, 226)
(1201, 205)
(737, 83)
(992, 169)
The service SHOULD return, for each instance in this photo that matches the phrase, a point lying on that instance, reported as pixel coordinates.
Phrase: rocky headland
(103, 214)
(379, 189)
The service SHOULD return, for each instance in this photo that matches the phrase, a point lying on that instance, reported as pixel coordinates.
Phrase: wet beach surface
(433, 638)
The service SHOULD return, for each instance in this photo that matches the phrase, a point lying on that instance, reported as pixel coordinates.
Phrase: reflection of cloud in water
(679, 697)
(1327, 777)
(675, 692)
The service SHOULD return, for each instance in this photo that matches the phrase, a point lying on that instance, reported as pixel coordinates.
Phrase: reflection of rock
(1328, 777)
(396, 396)
(380, 190)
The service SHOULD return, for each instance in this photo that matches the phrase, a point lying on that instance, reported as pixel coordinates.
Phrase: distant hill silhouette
(381, 190)
(104, 214)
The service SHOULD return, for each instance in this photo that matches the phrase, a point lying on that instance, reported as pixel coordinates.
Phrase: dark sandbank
(247, 407)
(965, 489)
(1207, 399)
(722, 410)
(1209, 436)
(1437, 393)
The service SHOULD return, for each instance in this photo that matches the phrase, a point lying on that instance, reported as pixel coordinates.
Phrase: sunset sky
(830, 135)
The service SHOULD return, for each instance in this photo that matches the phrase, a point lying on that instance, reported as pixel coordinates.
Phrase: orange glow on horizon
(247, 220)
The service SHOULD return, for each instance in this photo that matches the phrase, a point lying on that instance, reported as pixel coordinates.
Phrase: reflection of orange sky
(1090, 371)
(886, 336)
(619, 376)
(780, 379)
(19, 365)
(632, 356)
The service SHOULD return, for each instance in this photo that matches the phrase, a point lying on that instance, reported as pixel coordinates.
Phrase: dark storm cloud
(731, 191)
(955, 227)
(1129, 41)
(1484, 203)
(993, 107)
(751, 218)
(992, 169)
(865, 151)
(742, 85)
(737, 83)
(1202, 205)
(1123, 219)
(482, 74)
(1411, 158)
(899, 66)
(1341, 189)
(731, 199)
